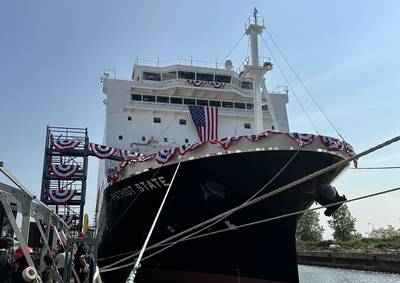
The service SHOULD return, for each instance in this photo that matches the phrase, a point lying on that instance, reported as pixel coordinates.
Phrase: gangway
(16, 199)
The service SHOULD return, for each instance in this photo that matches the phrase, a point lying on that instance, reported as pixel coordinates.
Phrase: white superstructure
(150, 111)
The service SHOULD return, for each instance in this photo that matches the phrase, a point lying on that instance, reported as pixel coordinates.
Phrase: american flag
(205, 119)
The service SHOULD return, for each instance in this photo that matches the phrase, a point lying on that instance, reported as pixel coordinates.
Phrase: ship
(215, 138)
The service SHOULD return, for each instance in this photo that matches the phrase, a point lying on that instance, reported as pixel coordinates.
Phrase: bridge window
(264, 108)
(169, 76)
(186, 75)
(215, 103)
(250, 106)
(163, 99)
(186, 140)
(151, 76)
(240, 105)
(205, 77)
(247, 85)
(136, 97)
(129, 118)
(143, 138)
(182, 121)
(120, 137)
(227, 104)
(189, 101)
(223, 79)
(247, 125)
(202, 102)
(165, 139)
(157, 120)
(149, 98)
(176, 100)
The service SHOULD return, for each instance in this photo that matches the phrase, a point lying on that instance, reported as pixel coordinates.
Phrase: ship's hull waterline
(202, 189)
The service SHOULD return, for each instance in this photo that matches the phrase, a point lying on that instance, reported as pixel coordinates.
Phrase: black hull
(202, 189)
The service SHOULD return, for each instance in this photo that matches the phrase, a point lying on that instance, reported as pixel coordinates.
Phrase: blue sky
(52, 54)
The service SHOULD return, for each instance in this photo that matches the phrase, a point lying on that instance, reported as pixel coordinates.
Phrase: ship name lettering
(140, 187)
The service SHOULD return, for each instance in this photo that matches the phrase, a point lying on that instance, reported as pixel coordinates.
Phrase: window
(165, 140)
(264, 108)
(157, 120)
(169, 76)
(182, 121)
(150, 98)
(223, 79)
(202, 102)
(227, 104)
(240, 105)
(186, 75)
(215, 103)
(249, 106)
(129, 118)
(189, 101)
(205, 77)
(236, 82)
(247, 85)
(176, 100)
(120, 137)
(163, 99)
(273, 127)
(151, 76)
(143, 138)
(186, 140)
(247, 125)
(136, 97)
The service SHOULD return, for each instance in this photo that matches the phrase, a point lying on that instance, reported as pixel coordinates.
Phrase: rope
(267, 195)
(233, 48)
(289, 85)
(302, 83)
(137, 263)
(289, 214)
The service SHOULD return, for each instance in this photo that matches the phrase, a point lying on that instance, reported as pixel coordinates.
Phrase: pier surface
(360, 261)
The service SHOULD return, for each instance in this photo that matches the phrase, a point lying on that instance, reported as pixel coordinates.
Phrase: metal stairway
(72, 209)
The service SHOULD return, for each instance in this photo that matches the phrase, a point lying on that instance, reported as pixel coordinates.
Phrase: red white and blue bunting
(190, 147)
(332, 144)
(196, 83)
(102, 151)
(165, 155)
(64, 171)
(302, 139)
(217, 84)
(128, 155)
(64, 145)
(226, 142)
(61, 196)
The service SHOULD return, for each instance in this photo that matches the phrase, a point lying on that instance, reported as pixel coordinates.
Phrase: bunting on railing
(189, 147)
(62, 196)
(196, 83)
(165, 155)
(350, 152)
(64, 145)
(332, 144)
(64, 171)
(302, 139)
(217, 84)
(102, 151)
(226, 142)
(128, 155)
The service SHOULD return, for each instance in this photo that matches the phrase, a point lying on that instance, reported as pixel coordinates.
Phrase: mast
(257, 70)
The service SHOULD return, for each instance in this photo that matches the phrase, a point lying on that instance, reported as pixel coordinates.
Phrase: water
(335, 275)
